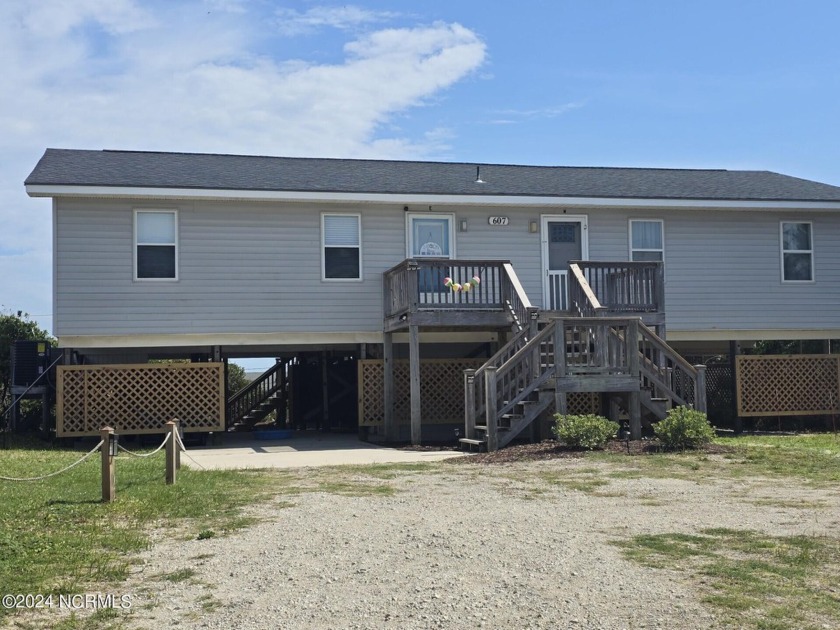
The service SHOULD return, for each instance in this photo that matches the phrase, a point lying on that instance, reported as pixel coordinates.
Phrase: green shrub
(684, 428)
(587, 431)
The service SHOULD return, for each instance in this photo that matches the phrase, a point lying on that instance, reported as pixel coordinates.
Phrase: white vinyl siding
(797, 251)
(341, 247)
(647, 240)
(255, 267)
(155, 245)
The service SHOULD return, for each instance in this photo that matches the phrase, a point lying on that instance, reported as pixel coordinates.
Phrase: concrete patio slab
(300, 451)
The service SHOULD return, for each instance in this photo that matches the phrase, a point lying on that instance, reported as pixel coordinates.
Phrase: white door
(564, 238)
(431, 235)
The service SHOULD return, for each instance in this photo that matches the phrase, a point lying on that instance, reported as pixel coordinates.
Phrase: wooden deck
(415, 294)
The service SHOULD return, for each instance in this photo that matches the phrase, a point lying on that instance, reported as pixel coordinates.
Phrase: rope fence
(109, 446)
(154, 452)
(183, 449)
(58, 472)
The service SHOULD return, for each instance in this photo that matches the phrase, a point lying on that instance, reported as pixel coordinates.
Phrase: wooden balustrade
(255, 393)
(616, 287)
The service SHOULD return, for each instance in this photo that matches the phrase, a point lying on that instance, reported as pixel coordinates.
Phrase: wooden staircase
(258, 399)
(593, 352)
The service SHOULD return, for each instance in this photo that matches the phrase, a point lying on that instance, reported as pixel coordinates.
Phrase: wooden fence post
(180, 432)
(171, 452)
(108, 476)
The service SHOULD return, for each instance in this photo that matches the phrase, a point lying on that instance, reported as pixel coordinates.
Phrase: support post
(108, 475)
(561, 398)
(414, 374)
(388, 386)
(490, 408)
(325, 393)
(734, 351)
(634, 410)
(171, 453)
(700, 393)
(469, 404)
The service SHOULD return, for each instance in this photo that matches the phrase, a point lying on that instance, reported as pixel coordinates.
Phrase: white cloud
(512, 116)
(292, 22)
(198, 76)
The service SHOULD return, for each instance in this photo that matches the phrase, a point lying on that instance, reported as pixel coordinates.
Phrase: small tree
(684, 428)
(237, 378)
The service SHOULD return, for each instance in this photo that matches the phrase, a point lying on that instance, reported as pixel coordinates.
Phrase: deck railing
(667, 374)
(613, 288)
(420, 284)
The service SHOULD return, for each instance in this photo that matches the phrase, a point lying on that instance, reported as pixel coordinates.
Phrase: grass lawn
(56, 537)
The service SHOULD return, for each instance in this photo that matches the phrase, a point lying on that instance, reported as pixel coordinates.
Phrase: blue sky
(713, 84)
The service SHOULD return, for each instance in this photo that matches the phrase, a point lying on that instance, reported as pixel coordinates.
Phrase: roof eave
(149, 193)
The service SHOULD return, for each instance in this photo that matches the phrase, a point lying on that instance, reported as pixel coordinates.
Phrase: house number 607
(498, 220)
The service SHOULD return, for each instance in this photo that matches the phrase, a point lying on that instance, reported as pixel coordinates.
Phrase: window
(342, 250)
(797, 252)
(646, 242)
(156, 245)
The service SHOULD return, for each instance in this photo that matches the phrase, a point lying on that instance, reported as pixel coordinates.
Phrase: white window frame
(174, 213)
(409, 232)
(783, 251)
(324, 246)
(632, 249)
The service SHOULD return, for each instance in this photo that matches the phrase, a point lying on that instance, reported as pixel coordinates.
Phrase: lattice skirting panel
(441, 391)
(141, 398)
(794, 385)
(583, 403)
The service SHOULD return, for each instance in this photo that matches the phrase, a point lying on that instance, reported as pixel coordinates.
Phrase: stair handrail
(653, 368)
(582, 296)
(254, 393)
(513, 382)
(515, 298)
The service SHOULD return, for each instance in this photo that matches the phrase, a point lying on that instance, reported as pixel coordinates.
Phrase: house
(210, 257)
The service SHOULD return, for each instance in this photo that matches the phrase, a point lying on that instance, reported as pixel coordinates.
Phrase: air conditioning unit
(29, 361)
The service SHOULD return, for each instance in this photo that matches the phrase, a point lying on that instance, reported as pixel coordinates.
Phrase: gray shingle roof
(67, 167)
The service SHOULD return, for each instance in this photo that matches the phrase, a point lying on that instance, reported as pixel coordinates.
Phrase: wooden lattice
(583, 403)
(441, 391)
(792, 385)
(135, 399)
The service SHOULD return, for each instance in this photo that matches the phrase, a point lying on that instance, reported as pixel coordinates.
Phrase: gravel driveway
(461, 546)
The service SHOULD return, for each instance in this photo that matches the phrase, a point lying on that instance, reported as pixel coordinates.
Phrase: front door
(564, 238)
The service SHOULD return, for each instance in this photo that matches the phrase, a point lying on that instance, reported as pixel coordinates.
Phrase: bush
(684, 428)
(587, 432)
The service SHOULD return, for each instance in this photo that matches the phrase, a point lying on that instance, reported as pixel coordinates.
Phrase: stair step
(483, 427)
(472, 441)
